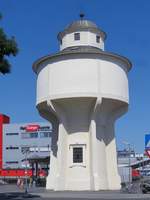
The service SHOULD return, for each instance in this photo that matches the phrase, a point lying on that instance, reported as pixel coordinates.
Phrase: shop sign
(32, 128)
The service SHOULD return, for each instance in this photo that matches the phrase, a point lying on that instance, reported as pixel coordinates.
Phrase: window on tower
(98, 39)
(77, 154)
(77, 36)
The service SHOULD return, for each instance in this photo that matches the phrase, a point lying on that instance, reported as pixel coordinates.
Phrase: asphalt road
(11, 192)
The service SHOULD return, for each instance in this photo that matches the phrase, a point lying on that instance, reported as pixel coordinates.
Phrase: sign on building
(147, 144)
(147, 141)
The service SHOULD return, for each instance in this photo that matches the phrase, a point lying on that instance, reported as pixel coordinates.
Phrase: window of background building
(77, 154)
(29, 149)
(12, 147)
(44, 134)
(29, 135)
(44, 128)
(33, 135)
(25, 149)
(76, 36)
(98, 39)
(44, 148)
(34, 149)
(11, 162)
(12, 133)
(25, 135)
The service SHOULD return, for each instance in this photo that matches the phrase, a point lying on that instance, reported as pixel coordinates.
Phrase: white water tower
(82, 90)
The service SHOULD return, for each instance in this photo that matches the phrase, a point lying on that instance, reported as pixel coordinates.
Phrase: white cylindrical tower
(82, 90)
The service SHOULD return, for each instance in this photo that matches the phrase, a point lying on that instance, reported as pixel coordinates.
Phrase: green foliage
(7, 47)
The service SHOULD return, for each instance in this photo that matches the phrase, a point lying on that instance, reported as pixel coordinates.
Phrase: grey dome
(81, 25)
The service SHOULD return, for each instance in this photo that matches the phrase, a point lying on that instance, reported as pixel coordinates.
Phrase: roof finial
(82, 15)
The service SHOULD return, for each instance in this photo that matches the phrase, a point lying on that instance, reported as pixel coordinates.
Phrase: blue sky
(36, 23)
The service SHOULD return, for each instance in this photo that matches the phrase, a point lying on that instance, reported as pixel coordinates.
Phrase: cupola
(82, 33)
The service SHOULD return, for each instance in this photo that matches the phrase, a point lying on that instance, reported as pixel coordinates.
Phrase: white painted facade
(82, 94)
(86, 38)
(85, 77)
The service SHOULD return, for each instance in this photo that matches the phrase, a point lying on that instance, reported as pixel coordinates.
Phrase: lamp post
(26, 151)
(129, 152)
(129, 161)
(26, 184)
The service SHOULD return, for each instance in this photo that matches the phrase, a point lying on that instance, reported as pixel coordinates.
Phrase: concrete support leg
(51, 178)
(98, 159)
(111, 155)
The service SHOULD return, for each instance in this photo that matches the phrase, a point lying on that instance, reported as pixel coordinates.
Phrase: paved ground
(11, 192)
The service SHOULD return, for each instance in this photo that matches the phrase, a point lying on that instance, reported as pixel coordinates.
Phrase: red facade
(15, 172)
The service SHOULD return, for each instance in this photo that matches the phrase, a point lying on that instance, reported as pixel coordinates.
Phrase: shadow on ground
(17, 196)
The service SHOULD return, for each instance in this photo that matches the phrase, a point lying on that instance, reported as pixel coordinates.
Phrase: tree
(8, 46)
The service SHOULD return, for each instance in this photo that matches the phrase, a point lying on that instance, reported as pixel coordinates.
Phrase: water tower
(82, 90)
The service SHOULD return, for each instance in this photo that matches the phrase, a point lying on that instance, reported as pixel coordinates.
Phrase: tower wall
(82, 75)
(86, 38)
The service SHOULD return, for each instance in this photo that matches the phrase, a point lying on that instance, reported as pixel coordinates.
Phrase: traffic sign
(147, 141)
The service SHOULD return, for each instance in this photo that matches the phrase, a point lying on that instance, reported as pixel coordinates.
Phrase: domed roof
(81, 25)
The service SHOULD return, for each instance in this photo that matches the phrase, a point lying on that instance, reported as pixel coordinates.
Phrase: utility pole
(26, 171)
(129, 152)
(26, 151)
(129, 163)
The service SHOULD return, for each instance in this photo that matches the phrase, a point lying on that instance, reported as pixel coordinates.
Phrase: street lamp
(26, 151)
(26, 171)
(129, 160)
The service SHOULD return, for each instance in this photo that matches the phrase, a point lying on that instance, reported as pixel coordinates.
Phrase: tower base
(83, 155)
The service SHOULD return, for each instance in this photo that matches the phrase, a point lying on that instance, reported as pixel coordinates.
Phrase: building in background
(132, 165)
(125, 160)
(20, 140)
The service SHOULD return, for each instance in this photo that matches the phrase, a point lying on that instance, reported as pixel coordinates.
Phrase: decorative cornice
(81, 50)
